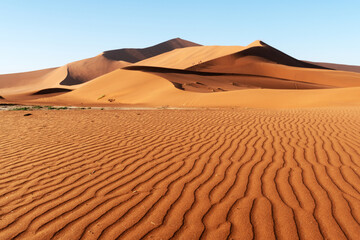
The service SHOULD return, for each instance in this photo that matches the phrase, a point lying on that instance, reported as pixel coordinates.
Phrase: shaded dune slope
(88, 69)
(133, 55)
(251, 174)
(51, 90)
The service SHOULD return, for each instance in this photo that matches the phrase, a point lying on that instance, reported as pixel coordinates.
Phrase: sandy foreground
(183, 174)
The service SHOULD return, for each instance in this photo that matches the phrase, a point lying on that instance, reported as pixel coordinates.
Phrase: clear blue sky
(37, 34)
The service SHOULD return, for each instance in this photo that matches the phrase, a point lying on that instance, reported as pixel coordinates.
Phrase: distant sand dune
(217, 174)
(341, 67)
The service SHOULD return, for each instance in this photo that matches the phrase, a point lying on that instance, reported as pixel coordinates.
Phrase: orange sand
(184, 174)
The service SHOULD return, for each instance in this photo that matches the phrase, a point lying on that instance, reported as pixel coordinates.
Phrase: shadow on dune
(271, 54)
(264, 52)
(172, 70)
(52, 90)
(70, 81)
(194, 81)
(1, 97)
(133, 55)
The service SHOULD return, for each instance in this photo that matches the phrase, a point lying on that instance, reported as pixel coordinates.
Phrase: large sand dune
(183, 174)
(121, 87)
(73, 74)
(256, 75)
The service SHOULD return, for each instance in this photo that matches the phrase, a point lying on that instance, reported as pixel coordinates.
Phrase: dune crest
(133, 55)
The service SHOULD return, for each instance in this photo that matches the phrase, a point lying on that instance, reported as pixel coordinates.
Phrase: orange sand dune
(261, 59)
(22, 79)
(88, 69)
(229, 75)
(213, 82)
(186, 57)
(147, 89)
(24, 84)
(341, 67)
(180, 174)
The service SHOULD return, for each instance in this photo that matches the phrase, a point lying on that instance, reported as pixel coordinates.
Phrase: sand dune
(25, 84)
(200, 81)
(21, 79)
(133, 55)
(148, 89)
(186, 57)
(190, 174)
(261, 59)
(341, 67)
(187, 67)
(88, 69)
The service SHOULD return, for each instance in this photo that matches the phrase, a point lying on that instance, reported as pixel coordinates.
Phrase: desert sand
(160, 174)
(194, 142)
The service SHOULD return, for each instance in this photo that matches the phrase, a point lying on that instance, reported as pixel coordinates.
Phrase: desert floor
(183, 174)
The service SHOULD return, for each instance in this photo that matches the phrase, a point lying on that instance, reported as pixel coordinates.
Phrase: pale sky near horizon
(38, 34)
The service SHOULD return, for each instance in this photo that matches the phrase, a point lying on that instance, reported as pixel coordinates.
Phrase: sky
(38, 34)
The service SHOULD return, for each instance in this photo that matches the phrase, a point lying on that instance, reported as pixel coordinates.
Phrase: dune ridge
(133, 55)
(245, 174)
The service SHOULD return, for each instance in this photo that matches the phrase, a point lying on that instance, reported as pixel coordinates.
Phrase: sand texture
(189, 174)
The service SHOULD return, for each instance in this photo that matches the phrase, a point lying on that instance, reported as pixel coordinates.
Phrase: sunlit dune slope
(32, 82)
(187, 57)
